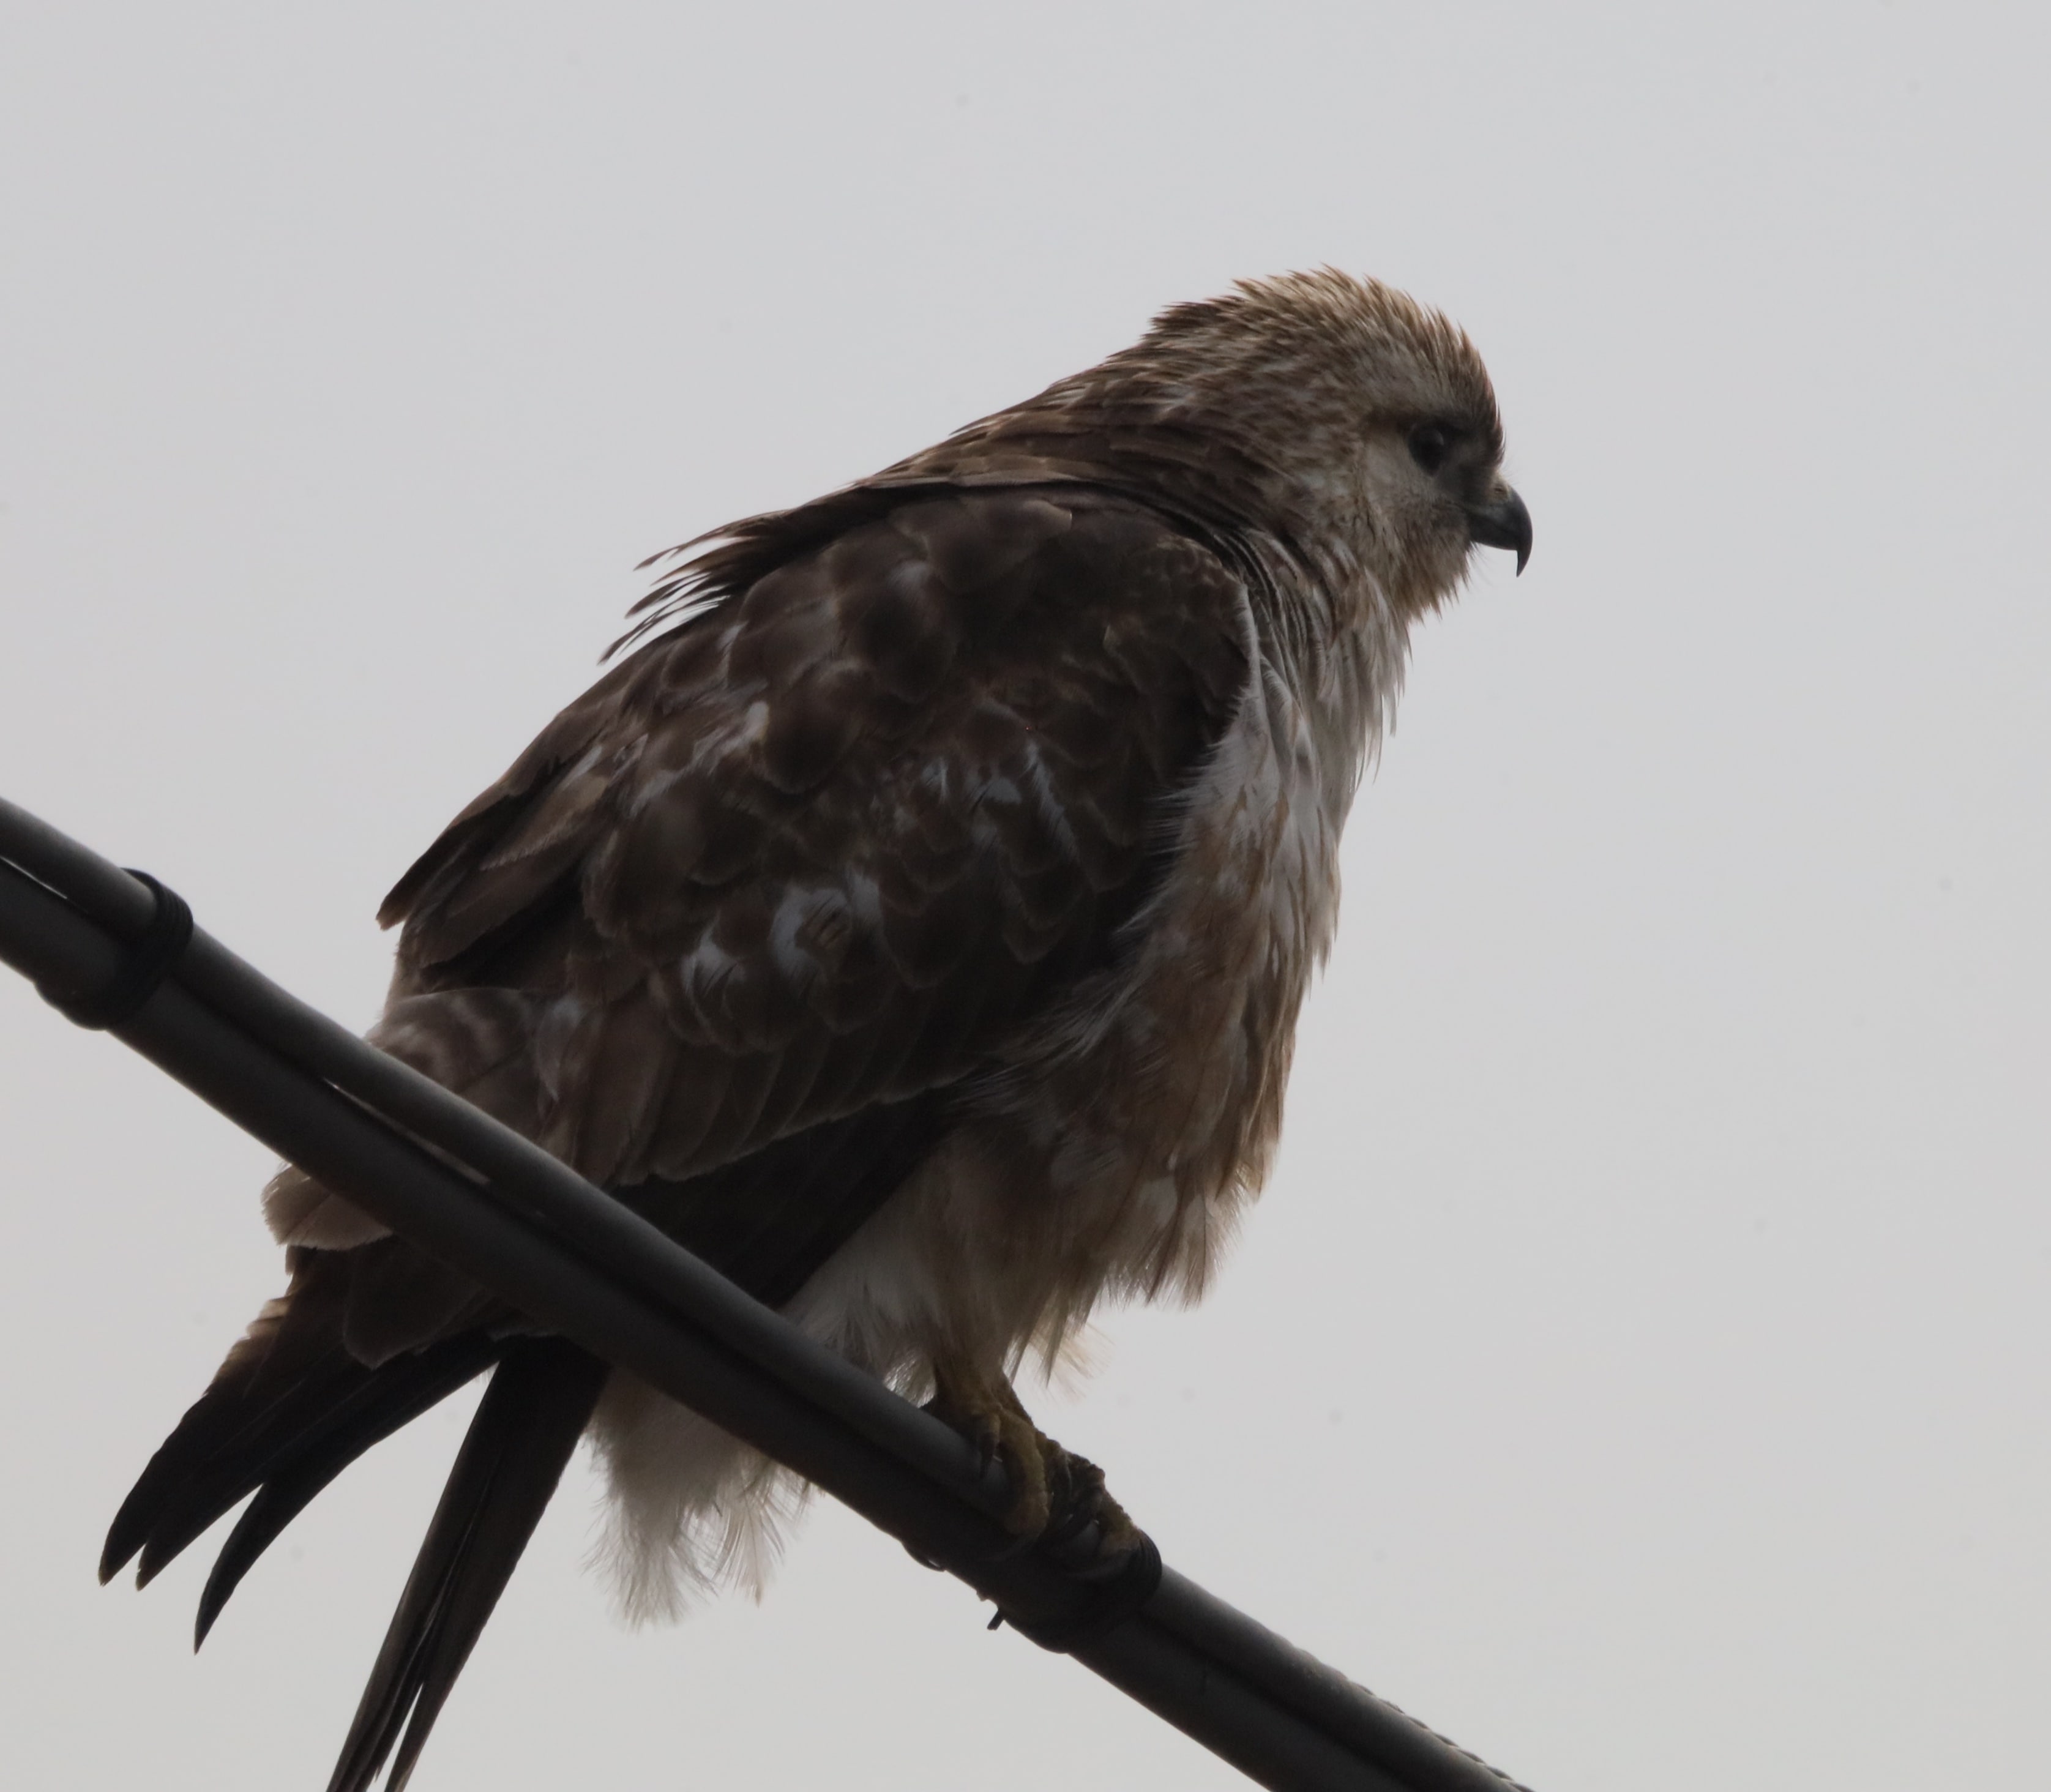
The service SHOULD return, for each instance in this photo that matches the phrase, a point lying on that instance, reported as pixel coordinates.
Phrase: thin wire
(494, 1206)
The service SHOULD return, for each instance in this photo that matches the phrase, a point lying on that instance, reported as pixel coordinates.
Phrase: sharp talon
(982, 1407)
(1055, 1497)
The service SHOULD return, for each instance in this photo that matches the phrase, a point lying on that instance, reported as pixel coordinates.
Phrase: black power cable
(115, 949)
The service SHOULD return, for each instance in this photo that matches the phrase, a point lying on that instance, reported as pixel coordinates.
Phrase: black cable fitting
(1121, 1584)
(152, 956)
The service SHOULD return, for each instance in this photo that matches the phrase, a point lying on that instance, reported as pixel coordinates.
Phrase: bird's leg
(1054, 1495)
(980, 1404)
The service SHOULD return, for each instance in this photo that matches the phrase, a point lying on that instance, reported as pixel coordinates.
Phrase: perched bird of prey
(913, 923)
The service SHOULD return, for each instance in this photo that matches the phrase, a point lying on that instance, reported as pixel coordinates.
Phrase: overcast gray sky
(1638, 1367)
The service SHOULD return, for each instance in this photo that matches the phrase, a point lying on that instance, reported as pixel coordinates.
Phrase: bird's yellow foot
(1055, 1496)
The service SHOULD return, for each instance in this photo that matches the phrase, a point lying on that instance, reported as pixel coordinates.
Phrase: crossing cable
(114, 949)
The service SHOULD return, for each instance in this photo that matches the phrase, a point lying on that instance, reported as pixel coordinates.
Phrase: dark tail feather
(284, 1391)
(287, 1363)
(526, 1429)
(215, 1457)
(398, 1394)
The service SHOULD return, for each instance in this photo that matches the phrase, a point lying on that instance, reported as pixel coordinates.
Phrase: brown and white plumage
(914, 923)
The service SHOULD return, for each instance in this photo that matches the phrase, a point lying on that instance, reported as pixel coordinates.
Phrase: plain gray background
(1637, 1365)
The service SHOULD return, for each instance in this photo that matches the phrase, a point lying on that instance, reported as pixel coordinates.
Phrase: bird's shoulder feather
(829, 840)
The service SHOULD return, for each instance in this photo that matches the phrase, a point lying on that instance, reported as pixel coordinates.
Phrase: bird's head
(1335, 416)
(1367, 423)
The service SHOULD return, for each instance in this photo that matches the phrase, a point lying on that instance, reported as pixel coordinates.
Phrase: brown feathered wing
(733, 938)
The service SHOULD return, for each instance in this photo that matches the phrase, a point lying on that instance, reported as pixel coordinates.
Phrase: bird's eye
(1430, 443)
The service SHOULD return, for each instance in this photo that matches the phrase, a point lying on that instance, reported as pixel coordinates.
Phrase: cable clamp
(1119, 1588)
(150, 959)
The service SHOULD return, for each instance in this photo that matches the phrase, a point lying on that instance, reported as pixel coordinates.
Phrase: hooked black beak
(1503, 524)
